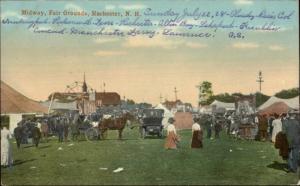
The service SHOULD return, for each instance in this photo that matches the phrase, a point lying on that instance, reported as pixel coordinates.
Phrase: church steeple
(84, 86)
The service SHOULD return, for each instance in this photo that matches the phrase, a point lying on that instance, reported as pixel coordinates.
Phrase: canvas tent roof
(167, 114)
(292, 102)
(13, 101)
(61, 106)
(205, 109)
(167, 111)
(277, 107)
(220, 104)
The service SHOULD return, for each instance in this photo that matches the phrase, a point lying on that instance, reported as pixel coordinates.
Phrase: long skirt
(197, 139)
(171, 141)
(6, 153)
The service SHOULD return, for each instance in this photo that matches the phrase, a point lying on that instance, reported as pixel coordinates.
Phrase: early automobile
(151, 122)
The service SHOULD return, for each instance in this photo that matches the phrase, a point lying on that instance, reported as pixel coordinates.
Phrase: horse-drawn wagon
(85, 126)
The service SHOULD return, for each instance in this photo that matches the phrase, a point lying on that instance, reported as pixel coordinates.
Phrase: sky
(143, 68)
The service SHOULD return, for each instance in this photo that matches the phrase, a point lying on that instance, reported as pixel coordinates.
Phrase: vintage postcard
(181, 92)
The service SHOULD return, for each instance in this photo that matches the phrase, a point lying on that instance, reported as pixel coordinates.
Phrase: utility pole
(260, 80)
(104, 87)
(175, 91)
(199, 95)
(160, 98)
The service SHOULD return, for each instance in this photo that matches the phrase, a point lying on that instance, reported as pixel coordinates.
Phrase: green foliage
(206, 88)
(227, 98)
(260, 98)
(289, 93)
(146, 162)
(130, 102)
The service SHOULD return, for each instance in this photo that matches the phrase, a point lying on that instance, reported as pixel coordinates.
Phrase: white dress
(6, 151)
(277, 127)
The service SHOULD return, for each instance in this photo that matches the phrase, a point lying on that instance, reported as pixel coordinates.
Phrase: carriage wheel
(91, 134)
(104, 134)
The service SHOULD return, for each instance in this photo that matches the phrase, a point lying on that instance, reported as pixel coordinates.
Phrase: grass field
(147, 162)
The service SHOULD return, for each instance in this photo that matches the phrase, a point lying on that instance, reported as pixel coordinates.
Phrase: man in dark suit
(60, 129)
(263, 127)
(293, 136)
(209, 125)
(36, 135)
(18, 134)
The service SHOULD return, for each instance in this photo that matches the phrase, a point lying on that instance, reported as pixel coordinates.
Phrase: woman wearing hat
(197, 135)
(172, 137)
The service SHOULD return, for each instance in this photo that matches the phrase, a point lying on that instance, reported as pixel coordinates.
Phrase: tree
(289, 93)
(205, 92)
(130, 102)
(225, 97)
(260, 98)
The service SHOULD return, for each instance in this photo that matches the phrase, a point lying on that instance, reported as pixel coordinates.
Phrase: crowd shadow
(19, 162)
(154, 137)
(28, 146)
(278, 166)
(81, 160)
(44, 147)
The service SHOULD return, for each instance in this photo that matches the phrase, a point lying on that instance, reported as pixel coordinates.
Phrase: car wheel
(160, 134)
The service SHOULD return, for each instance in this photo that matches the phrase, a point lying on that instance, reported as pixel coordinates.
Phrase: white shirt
(39, 125)
(277, 127)
(171, 128)
(195, 127)
(256, 119)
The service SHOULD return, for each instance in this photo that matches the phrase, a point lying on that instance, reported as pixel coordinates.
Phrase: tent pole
(52, 96)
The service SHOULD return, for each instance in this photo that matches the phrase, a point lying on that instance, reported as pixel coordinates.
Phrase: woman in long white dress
(277, 127)
(6, 151)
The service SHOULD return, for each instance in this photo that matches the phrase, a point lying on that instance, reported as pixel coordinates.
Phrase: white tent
(219, 104)
(167, 114)
(61, 106)
(205, 109)
(292, 102)
(15, 106)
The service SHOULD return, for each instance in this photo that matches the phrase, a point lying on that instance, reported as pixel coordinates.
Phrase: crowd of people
(36, 129)
(282, 130)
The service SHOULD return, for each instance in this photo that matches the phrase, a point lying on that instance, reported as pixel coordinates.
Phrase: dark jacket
(263, 124)
(36, 133)
(292, 131)
(60, 127)
(18, 132)
(281, 143)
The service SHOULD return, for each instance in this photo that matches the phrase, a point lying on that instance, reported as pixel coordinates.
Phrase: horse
(114, 124)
